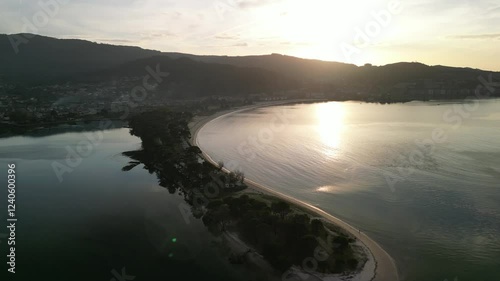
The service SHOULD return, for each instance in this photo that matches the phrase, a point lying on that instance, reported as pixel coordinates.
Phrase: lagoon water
(422, 179)
(100, 222)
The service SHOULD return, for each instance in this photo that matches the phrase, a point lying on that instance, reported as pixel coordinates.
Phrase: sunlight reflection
(330, 189)
(324, 189)
(330, 125)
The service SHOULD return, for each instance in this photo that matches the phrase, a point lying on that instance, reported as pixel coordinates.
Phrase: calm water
(100, 218)
(434, 206)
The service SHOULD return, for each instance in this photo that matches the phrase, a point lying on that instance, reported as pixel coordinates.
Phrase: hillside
(190, 78)
(296, 68)
(45, 60)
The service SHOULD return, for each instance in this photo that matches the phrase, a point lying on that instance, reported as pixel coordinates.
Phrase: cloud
(281, 26)
(115, 41)
(493, 9)
(157, 35)
(477, 36)
(241, 45)
(227, 37)
(252, 3)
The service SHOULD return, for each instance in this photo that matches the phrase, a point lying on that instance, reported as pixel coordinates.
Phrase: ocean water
(100, 221)
(422, 178)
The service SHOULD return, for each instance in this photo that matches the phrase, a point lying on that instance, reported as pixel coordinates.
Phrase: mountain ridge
(50, 60)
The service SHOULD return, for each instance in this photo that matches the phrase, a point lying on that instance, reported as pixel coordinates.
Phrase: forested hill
(191, 78)
(27, 59)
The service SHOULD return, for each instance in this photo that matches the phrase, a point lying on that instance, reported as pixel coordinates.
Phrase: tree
(217, 218)
(240, 176)
(352, 263)
(220, 164)
(281, 208)
(215, 204)
(341, 242)
(317, 227)
(194, 150)
(305, 247)
(232, 177)
(223, 216)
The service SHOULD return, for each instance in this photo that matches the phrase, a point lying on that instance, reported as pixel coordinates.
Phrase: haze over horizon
(454, 33)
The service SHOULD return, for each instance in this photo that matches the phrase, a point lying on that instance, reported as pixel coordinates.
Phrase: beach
(380, 265)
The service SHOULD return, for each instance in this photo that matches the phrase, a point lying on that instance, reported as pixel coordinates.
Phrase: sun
(313, 28)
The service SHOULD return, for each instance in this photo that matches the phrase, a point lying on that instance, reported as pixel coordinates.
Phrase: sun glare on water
(330, 124)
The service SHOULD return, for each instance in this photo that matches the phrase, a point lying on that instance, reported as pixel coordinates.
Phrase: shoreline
(384, 267)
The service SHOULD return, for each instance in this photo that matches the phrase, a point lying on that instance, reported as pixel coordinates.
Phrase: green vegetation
(283, 234)
(167, 152)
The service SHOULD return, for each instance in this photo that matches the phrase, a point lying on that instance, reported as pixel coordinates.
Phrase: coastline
(380, 265)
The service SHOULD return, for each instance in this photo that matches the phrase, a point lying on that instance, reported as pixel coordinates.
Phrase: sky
(462, 33)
